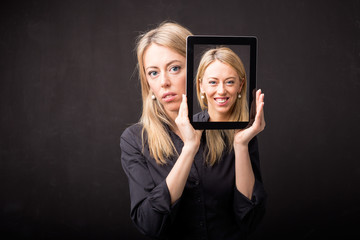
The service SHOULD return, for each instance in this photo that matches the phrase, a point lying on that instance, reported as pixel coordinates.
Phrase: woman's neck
(217, 117)
(172, 116)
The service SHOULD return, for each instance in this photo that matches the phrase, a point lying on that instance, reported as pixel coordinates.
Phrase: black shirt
(210, 207)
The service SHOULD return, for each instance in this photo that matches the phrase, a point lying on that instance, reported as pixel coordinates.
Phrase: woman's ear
(242, 81)
(200, 84)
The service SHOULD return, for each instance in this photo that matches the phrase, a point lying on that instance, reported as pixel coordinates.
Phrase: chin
(223, 111)
(172, 107)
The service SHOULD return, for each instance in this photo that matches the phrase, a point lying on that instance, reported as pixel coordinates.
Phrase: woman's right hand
(188, 134)
(179, 174)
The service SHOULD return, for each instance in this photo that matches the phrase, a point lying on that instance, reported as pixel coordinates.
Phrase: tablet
(245, 47)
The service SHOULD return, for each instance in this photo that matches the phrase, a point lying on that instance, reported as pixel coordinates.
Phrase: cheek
(235, 91)
(149, 82)
(153, 88)
(181, 83)
(210, 90)
(234, 96)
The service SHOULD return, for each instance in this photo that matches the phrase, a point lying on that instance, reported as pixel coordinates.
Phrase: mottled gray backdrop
(68, 89)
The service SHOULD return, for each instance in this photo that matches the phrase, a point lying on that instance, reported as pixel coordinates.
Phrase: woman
(221, 91)
(221, 85)
(174, 195)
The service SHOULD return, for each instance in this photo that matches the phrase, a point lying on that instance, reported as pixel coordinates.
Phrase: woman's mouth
(168, 97)
(221, 100)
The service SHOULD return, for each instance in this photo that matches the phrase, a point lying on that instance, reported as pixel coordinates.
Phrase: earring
(153, 97)
(239, 96)
(202, 96)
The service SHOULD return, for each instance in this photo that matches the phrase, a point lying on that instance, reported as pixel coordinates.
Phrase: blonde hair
(154, 118)
(219, 140)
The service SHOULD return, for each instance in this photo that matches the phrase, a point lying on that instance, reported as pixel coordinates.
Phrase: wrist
(191, 148)
(239, 147)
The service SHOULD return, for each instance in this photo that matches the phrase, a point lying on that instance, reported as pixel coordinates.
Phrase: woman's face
(165, 71)
(221, 86)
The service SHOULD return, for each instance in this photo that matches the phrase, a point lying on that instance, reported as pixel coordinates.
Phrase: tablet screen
(221, 75)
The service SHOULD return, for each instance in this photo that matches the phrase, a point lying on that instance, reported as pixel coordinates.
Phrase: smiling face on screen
(221, 85)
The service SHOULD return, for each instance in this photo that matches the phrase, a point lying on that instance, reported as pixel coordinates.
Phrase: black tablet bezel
(218, 40)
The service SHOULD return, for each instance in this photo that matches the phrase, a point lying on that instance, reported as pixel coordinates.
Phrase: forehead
(156, 55)
(218, 69)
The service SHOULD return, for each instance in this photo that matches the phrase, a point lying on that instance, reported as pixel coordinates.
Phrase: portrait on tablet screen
(220, 73)
(221, 86)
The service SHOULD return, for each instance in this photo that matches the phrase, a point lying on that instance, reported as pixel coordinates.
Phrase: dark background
(68, 90)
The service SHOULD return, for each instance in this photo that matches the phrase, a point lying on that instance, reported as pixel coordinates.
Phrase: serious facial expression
(166, 74)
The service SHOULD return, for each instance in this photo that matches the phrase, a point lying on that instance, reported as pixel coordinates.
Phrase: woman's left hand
(244, 136)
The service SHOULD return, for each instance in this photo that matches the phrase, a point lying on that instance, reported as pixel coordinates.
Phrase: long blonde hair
(219, 140)
(154, 119)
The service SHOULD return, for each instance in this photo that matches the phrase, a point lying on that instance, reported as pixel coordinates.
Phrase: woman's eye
(230, 82)
(175, 68)
(153, 74)
(212, 82)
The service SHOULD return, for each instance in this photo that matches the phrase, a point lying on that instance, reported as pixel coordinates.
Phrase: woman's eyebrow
(215, 78)
(225, 78)
(150, 67)
(172, 62)
(167, 64)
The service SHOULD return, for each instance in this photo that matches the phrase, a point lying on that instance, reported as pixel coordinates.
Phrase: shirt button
(196, 182)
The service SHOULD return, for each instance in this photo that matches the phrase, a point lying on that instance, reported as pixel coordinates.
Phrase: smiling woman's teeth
(221, 100)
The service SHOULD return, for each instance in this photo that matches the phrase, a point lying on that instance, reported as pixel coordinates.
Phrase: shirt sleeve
(249, 212)
(150, 204)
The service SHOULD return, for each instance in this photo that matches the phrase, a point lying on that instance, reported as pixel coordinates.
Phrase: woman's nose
(165, 81)
(221, 89)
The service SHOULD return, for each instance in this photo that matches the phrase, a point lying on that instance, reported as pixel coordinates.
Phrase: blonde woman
(174, 193)
(221, 85)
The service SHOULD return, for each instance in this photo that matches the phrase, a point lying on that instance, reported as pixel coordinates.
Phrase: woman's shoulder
(134, 128)
(133, 133)
(202, 116)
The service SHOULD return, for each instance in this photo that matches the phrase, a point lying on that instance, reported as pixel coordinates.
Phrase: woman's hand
(243, 137)
(179, 174)
(188, 134)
